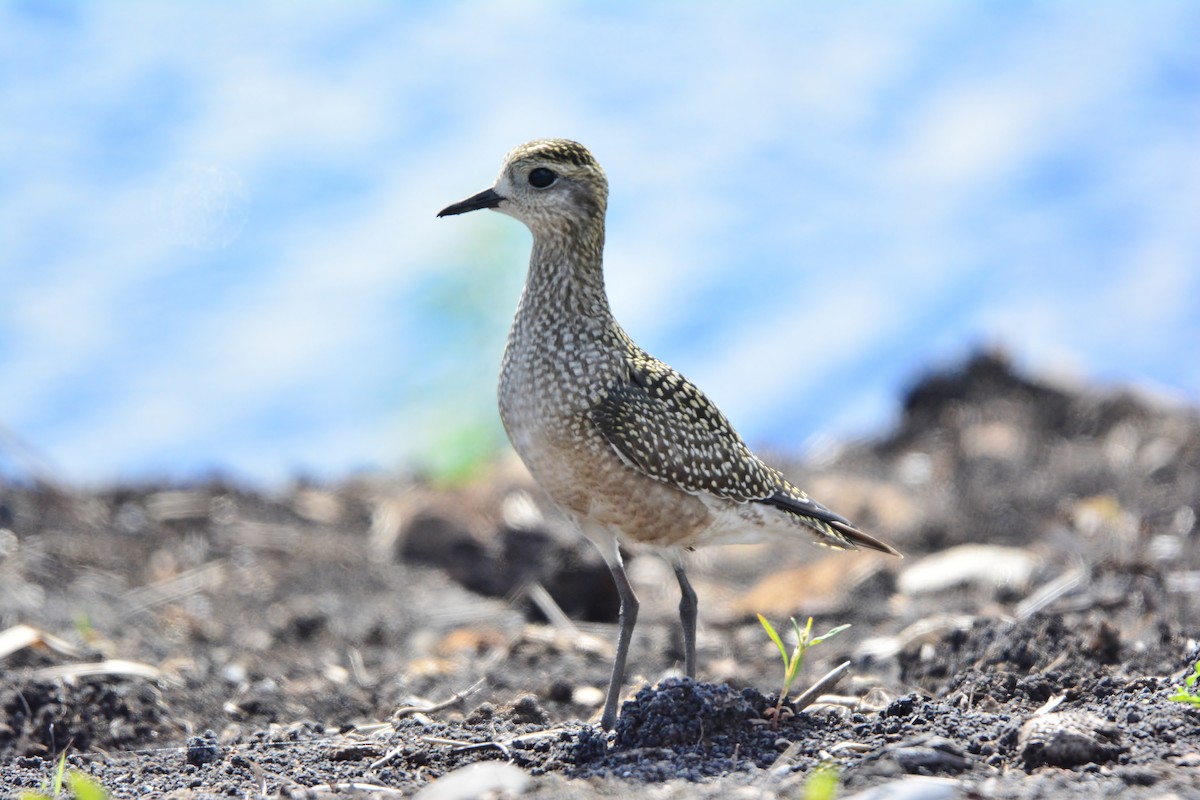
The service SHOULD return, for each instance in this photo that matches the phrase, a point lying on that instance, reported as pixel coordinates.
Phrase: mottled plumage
(629, 448)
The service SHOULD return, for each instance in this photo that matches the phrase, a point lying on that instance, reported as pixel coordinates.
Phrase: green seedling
(823, 782)
(85, 787)
(1189, 692)
(83, 626)
(792, 662)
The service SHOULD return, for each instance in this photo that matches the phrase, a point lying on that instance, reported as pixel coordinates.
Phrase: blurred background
(218, 249)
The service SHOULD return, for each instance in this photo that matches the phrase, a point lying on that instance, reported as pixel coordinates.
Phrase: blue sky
(218, 249)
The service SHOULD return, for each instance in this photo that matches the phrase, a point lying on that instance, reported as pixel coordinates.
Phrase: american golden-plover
(628, 448)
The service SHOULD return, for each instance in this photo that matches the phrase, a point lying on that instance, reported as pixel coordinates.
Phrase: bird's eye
(541, 177)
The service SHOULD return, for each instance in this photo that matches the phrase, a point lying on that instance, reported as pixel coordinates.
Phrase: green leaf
(85, 787)
(797, 659)
(822, 783)
(1187, 693)
(829, 634)
(802, 635)
(59, 772)
(775, 638)
(790, 677)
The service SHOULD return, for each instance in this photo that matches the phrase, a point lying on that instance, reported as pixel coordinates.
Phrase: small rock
(234, 673)
(912, 789)
(481, 779)
(590, 696)
(203, 749)
(354, 751)
(900, 707)
(481, 713)
(527, 709)
(1067, 739)
(929, 754)
(982, 565)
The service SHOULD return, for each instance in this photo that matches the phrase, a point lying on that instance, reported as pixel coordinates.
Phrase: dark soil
(367, 638)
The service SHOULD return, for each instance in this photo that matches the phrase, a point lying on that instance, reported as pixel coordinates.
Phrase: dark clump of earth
(691, 730)
(379, 637)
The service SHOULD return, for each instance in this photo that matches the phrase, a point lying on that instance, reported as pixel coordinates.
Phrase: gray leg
(687, 617)
(627, 619)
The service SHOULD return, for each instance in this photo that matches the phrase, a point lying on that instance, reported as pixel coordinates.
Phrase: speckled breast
(553, 373)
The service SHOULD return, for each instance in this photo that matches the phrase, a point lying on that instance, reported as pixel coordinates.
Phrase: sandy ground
(384, 638)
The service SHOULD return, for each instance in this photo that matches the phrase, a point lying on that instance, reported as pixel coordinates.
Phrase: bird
(630, 450)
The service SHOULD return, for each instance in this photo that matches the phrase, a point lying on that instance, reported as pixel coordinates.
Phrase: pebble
(1067, 739)
(589, 696)
(929, 754)
(913, 788)
(355, 751)
(203, 749)
(979, 565)
(481, 779)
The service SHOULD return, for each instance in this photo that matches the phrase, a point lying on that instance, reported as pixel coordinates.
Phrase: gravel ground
(390, 638)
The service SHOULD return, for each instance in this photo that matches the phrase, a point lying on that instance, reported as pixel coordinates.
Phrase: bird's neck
(566, 272)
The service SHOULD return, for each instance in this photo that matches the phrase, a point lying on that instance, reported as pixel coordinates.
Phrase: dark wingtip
(807, 507)
(860, 539)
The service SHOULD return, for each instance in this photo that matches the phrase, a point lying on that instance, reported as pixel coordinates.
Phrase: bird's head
(549, 184)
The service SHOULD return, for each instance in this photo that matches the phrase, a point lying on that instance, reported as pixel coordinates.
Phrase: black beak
(485, 199)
